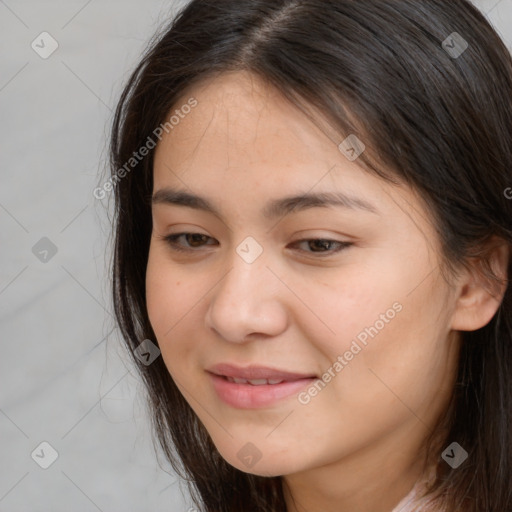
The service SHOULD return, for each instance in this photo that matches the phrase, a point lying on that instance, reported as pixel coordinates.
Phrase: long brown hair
(429, 83)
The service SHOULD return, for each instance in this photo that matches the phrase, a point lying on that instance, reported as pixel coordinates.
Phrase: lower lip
(247, 396)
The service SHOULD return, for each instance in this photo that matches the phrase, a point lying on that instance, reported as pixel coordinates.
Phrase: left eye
(324, 244)
(195, 240)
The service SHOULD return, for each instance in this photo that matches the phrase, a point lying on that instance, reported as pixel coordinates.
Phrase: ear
(478, 294)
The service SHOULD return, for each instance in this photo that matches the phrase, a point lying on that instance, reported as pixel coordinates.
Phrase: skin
(357, 445)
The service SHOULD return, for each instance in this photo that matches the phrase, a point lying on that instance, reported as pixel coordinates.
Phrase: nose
(248, 302)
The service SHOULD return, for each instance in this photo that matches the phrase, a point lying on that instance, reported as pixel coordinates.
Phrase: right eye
(191, 238)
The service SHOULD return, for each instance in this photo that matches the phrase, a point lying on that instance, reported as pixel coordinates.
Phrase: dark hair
(441, 122)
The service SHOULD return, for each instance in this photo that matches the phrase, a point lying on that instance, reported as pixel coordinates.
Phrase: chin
(260, 469)
(253, 462)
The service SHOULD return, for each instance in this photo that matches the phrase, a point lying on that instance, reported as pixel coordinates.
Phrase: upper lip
(256, 372)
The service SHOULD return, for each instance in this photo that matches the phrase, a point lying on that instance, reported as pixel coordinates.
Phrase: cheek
(358, 304)
(166, 296)
(391, 332)
(404, 365)
(174, 308)
(160, 291)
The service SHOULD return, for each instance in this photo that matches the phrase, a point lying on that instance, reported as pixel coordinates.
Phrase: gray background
(64, 376)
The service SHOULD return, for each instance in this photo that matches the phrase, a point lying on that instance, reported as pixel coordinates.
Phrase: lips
(256, 375)
(254, 387)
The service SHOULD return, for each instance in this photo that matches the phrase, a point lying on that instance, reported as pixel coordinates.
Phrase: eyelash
(172, 242)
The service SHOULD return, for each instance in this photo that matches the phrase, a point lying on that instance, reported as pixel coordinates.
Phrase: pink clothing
(406, 504)
(411, 503)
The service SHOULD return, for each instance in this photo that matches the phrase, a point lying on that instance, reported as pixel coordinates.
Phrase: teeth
(258, 382)
(254, 382)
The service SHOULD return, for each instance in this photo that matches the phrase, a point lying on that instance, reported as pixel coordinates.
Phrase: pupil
(321, 243)
(196, 237)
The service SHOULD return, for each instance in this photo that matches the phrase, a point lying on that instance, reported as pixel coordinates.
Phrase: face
(336, 313)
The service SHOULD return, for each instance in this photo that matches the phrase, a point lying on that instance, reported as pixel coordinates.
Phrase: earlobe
(479, 293)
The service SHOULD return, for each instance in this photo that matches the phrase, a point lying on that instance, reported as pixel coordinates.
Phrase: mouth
(257, 375)
(256, 386)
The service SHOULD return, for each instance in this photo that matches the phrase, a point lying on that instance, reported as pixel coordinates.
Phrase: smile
(256, 393)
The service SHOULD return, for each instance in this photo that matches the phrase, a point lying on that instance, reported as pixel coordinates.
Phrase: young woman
(312, 252)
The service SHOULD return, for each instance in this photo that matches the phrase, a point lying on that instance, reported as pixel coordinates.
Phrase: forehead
(242, 125)
(239, 113)
(244, 141)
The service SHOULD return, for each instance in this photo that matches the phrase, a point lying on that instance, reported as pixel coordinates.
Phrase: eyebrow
(274, 208)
